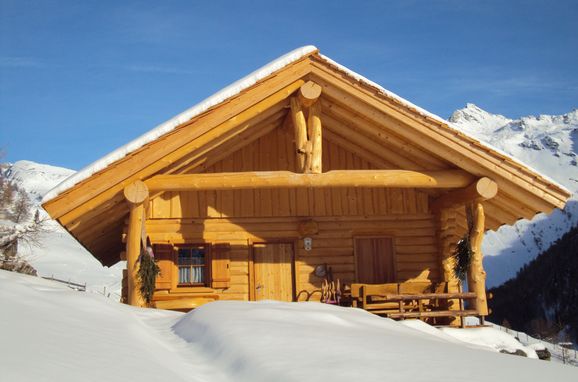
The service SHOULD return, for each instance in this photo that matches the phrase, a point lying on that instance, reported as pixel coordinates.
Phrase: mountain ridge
(547, 143)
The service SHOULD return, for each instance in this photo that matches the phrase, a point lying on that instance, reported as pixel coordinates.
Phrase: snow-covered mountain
(547, 143)
(59, 254)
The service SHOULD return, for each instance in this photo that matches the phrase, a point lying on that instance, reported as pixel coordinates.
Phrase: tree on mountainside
(542, 299)
(17, 209)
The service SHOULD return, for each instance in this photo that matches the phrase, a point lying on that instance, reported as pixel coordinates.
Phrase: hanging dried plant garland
(147, 274)
(463, 253)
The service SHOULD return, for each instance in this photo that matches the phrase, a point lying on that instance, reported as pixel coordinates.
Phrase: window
(192, 263)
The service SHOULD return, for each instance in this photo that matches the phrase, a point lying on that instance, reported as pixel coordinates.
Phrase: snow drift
(50, 333)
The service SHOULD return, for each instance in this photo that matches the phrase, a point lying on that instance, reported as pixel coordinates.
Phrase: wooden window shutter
(164, 257)
(220, 263)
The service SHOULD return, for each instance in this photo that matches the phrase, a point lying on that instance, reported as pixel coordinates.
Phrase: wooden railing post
(136, 194)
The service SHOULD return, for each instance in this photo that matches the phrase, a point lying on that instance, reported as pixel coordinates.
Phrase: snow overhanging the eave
(244, 83)
(228, 92)
(437, 118)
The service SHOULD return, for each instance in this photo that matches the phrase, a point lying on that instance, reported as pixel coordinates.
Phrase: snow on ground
(491, 338)
(50, 332)
(59, 255)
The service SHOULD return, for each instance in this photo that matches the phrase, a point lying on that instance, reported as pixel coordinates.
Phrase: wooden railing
(412, 300)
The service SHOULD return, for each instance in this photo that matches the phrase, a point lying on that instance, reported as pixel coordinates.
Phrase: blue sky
(81, 78)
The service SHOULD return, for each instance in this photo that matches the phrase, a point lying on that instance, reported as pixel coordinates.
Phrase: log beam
(287, 179)
(476, 272)
(309, 93)
(136, 194)
(482, 189)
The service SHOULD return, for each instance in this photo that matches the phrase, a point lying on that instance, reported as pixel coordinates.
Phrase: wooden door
(374, 260)
(273, 271)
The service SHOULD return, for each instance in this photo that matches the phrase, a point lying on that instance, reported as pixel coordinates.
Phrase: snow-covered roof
(165, 127)
(236, 88)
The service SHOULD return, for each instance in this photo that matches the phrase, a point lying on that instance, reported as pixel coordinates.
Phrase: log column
(472, 196)
(448, 239)
(476, 272)
(308, 139)
(136, 195)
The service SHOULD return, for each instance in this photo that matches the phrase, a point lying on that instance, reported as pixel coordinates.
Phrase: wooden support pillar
(315, 137)
(136, 194)
(476, 272)
(308, 139)
(447, 237)
(300, 127)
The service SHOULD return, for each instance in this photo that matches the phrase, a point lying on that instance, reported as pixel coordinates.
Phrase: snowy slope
(60, 255)
(51, 333)
(550, 145)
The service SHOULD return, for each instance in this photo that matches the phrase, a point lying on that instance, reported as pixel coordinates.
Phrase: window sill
(195, 289)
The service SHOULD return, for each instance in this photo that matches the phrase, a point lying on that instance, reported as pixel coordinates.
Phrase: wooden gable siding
(515, 182)
(415, 245)
(169, 148)
(274, 151)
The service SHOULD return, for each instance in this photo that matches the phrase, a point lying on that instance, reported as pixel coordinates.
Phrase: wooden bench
(411, 300)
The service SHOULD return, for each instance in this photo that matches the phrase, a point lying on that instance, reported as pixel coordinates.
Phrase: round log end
(309, 93)
(487, 188)
(136, 192)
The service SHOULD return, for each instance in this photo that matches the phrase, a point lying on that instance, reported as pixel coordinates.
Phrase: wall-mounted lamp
(308, 243)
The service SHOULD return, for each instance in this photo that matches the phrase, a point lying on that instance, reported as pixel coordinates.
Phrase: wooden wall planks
(416, 255)
(274, 151)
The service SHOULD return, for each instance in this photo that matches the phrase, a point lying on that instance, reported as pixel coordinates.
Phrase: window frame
(206, 266)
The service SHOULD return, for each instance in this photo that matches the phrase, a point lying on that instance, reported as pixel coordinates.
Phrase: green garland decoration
(147, 274)
(463, 256)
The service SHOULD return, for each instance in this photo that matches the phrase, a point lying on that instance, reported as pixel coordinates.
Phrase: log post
(315, 137)
(308, 138)
(300, 127)
(135, 194)
(448, 239)
(476, 272)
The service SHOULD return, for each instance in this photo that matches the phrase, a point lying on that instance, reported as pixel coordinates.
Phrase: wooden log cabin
(300, 167)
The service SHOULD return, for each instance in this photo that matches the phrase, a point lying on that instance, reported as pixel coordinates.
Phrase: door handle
(259, 287)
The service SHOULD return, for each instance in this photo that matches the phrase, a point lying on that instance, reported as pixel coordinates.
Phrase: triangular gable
(358, 113)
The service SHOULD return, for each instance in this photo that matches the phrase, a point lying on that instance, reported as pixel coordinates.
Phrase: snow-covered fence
(109, 293)
(70, 284)
(562, 352)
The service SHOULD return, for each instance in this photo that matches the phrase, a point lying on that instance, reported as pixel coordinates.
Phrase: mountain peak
(474, 118)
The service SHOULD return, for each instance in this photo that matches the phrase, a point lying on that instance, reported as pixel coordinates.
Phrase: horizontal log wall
(414, 238)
